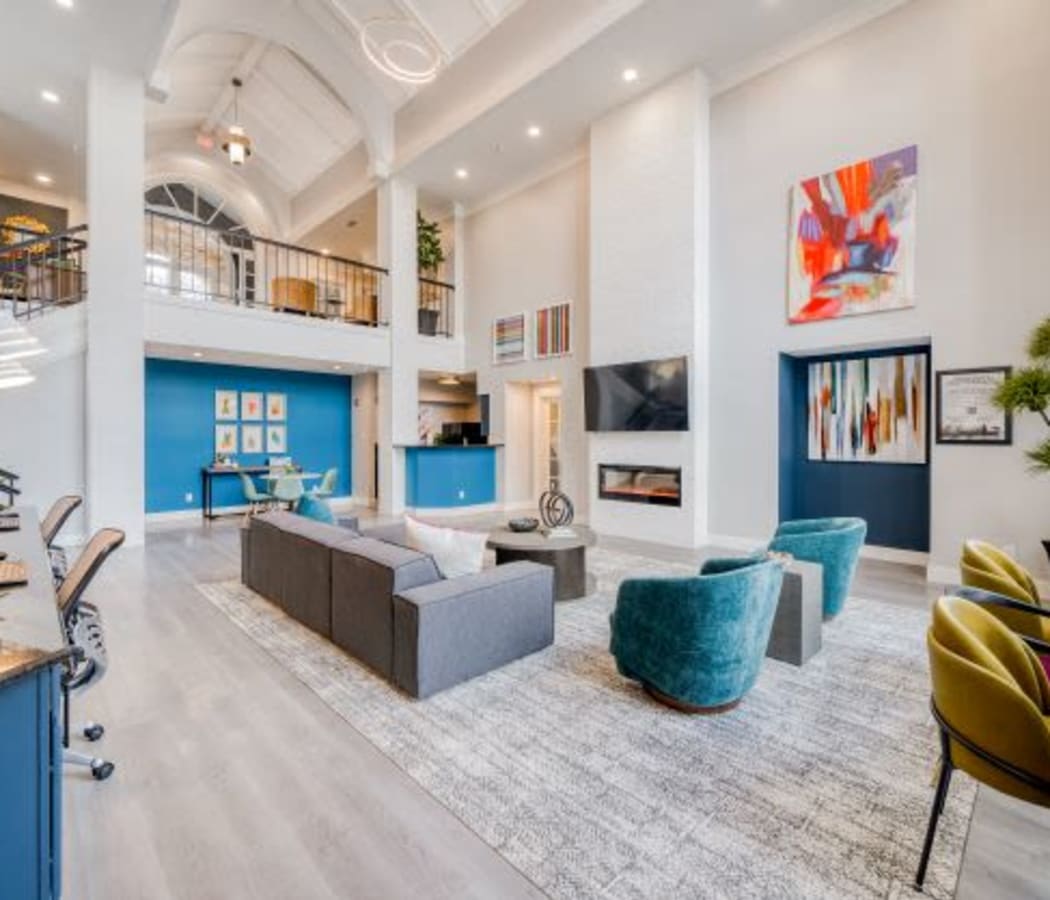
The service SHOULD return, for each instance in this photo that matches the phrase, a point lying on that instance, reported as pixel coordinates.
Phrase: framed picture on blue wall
(226, 406)
(225, 439)
(276, 439)
(251, 406)
(276, 407)
(251, 439)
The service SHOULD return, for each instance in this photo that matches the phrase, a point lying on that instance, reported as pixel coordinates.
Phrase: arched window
(196, 244)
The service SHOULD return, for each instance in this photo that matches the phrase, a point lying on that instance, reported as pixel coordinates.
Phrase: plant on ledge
(429, 251)
(1028, 390)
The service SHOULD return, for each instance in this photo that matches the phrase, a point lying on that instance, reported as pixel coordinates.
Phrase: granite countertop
(31, 630)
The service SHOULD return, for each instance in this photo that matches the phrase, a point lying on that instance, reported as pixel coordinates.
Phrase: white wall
(42, 438)
(364, 435)
(648, 252)
(966, 81)
(522, 253)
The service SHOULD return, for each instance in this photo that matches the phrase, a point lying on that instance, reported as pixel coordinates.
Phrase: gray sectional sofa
(388, 605)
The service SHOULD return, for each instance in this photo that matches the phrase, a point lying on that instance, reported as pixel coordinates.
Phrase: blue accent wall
(180, 427)
(435, 476)
(894, 498)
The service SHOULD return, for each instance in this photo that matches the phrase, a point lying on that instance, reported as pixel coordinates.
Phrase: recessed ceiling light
(534, 131)
(462, 174)
(325, 251)
(338, 368)
(630, 75)
(65, 4)
(197, 354)
(49, 96)
(43, 179)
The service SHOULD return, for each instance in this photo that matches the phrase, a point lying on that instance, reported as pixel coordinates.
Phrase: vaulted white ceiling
(298, 123)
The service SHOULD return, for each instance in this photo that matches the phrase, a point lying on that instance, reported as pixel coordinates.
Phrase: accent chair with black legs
(997, 582)
(697, 644)
(83, 626)
(51, 525)
(991, 700)
(834, 543)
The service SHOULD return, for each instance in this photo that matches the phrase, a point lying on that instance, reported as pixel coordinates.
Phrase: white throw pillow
(455, 552)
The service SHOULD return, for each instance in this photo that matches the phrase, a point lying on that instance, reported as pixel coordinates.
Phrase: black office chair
(52, 524)
(83, 625)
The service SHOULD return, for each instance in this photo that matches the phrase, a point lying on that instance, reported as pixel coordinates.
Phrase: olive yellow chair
(1005, 588)
(991, 700)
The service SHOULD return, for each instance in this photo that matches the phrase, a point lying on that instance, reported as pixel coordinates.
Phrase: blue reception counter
(32, 652)
(447, 476)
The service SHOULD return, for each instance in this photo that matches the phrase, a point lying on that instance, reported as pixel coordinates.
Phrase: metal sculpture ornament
(556, 509)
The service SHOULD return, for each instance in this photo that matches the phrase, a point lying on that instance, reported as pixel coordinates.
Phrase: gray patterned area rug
(817, 786)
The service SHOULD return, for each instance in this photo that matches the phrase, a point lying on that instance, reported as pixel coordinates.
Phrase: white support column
(398, 386)
(114, 439)
(459, 257)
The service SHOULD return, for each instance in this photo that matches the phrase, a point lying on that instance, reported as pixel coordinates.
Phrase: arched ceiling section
(278, 33)
(298, 123)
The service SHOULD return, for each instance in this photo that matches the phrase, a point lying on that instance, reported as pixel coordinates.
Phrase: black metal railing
(42, 271)
(8, 491)
(437, 307)
(190, 259)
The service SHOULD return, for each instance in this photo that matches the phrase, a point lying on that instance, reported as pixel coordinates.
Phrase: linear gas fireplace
(640, 484)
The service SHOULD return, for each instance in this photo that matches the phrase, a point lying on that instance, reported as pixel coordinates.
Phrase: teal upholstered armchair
(834, 543)
(697, 643)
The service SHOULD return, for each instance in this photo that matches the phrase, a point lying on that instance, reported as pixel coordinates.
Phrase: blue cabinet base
(449, 477)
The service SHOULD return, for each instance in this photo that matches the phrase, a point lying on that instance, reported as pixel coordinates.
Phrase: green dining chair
(257, 500)
(327, 485)
(288, 490)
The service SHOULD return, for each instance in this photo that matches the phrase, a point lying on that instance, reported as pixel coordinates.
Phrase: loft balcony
(195, 261)
(437, 305)
(42, 271)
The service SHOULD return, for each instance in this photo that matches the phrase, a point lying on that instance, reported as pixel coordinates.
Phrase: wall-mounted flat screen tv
(640, 396)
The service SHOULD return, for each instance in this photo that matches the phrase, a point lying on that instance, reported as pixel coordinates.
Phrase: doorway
(547, 421)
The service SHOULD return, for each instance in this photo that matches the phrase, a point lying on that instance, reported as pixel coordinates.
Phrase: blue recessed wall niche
(180, 428)
(894, 498)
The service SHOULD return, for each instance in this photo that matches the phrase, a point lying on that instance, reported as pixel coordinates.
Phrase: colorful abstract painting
(853, 239)
(868, 410)
(508, 339)
(554, 331)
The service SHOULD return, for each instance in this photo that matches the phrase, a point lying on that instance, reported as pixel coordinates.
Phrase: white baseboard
(733, 542)
(895, 555)
(941, 574)
(339, 504)
(451, 511)
(868, 551)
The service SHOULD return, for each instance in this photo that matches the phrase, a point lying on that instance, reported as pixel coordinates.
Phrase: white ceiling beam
(243, 70)
(486, 11)
(409, 9)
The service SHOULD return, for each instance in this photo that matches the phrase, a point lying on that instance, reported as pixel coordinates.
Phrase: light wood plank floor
(234, 780)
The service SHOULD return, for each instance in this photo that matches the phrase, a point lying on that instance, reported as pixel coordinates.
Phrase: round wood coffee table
(566, 555)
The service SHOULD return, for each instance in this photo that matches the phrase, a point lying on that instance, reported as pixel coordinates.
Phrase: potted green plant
(430, 255)
(1028, 390)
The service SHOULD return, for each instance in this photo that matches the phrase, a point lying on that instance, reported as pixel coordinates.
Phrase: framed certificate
(965, 411)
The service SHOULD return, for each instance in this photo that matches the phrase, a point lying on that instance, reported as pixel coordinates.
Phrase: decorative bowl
(523, 525)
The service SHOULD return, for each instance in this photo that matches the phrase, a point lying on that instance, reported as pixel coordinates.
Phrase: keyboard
(13, 574)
